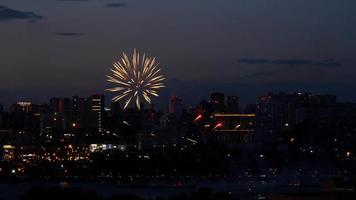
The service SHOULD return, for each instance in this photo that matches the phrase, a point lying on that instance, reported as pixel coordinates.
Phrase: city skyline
(190, 92)
(220, 97)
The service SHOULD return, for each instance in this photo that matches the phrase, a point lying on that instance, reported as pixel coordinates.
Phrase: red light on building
(219, 125)
(199, 117)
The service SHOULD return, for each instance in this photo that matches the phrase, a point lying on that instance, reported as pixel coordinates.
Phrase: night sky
(240, 47)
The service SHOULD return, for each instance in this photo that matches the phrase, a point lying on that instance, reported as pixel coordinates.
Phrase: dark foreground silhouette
(56, 193)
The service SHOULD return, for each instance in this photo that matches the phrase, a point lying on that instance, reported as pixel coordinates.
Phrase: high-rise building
(232, 104)
(250, 108)
(273, 112)
(61, 112)
(115, 108)
(175, 106)
(97, 111)
(218, 97)
(45, 119)
(25, 116)
(81, 109)
(217, 100)
(278, 111)
(115, 115)
(1, 115)
(233, 128)
(22, 106)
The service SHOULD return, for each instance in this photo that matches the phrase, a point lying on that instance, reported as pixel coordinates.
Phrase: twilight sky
(241, 47)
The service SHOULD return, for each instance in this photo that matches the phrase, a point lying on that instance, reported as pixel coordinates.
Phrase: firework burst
(137, 78)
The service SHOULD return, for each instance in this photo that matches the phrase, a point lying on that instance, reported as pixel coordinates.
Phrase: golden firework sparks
(136, 79)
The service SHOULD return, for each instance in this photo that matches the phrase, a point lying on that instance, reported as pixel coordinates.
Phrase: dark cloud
(69, 34)
(115, 5)
(7, 14)
(256, 75)
(290, 62)
(328, 63)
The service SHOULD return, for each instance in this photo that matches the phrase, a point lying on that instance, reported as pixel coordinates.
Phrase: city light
(191, 140)
(218, 125)
(199, 117)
